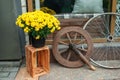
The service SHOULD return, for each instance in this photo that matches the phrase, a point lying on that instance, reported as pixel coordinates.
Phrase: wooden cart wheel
(63, 42)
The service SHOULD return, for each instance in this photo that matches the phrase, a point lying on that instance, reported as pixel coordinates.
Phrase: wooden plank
(95, 40)
(114, 3)
(112, 25)
(30, 5)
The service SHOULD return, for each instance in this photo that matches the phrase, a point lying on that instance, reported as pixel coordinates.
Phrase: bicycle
(106, 41)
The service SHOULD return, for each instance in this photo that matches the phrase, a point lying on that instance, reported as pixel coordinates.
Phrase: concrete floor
(59, 72)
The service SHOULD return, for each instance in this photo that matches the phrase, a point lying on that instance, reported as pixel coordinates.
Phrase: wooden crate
(37, 60)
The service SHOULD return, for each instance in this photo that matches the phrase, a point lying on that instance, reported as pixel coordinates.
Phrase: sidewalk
(8, 70)
(59, 72)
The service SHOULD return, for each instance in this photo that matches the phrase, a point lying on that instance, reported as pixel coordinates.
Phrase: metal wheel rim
(108, 38)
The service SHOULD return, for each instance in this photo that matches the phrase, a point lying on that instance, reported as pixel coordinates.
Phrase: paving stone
(1, 68)
(4, 74)
(12, 74)
(10, 68)
(10, 63)
(7, 79)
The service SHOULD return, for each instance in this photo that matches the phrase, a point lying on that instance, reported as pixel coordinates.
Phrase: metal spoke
(104, 32)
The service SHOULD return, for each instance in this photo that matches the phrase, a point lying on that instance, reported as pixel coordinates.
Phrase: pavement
(9, 69)
(59, 72)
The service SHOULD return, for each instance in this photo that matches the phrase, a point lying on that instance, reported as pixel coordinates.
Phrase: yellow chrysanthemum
(33, 24)
(48, 10)
(38, 23)
(58, 28)
(26, 29)
(37, 28)
(37, 37)
(52, 30)
(21, 25)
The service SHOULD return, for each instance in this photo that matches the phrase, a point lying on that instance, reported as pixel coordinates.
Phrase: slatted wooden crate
(37, 60)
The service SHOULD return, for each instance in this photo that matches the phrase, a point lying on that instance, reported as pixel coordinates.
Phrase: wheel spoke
(63, 50)
(65, 40)
(81, 41)
(68, 36)
(69, 55)
(75, 37)
(61, 42)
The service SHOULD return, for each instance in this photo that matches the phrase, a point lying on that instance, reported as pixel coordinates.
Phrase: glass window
(59, 6)
(66, 6)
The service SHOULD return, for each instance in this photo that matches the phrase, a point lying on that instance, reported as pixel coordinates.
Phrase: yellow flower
(50, 25)
(52, 30)
(48, 10)
(28, 23)
(37, 28)
(33, 24)
(26, 29)
(37, 37)
(38, 23)
(58, 28)
(21, 25)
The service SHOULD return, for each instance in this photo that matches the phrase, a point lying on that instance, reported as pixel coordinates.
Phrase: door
(11, 37)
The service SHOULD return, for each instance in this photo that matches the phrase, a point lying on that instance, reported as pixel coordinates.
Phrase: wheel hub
(110, 38)
(71, 46)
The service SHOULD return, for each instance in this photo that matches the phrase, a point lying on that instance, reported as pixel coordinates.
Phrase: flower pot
(37, 43)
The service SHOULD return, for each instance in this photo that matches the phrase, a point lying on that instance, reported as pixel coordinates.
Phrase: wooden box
(37, 60)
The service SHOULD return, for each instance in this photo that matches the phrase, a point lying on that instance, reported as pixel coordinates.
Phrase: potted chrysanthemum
(38, 25)
(48, 10)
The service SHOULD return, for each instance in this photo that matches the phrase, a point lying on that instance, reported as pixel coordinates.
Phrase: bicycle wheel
(63, 44)
(105, 32)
